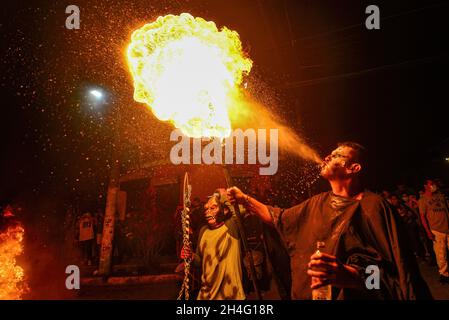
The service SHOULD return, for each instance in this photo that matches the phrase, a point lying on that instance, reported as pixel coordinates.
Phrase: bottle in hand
(324, 292)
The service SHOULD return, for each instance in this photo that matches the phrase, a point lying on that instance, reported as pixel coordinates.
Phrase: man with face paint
(359, 229)
(434, 212)
(218, 252)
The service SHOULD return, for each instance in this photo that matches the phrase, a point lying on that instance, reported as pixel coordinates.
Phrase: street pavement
(168, 290)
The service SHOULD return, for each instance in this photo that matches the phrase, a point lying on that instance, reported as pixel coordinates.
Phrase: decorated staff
(185, 218)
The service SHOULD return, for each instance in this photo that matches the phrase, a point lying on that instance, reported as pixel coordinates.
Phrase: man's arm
(235, 195)
(425, 223)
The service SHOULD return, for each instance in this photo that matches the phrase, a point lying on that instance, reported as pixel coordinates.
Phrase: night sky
(333, 80)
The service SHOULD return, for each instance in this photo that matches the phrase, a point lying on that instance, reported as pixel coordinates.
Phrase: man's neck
(215, 226)
(430, 193)
(346, 188)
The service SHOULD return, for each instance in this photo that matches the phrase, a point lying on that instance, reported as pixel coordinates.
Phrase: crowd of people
(426, 218)
(139, 235)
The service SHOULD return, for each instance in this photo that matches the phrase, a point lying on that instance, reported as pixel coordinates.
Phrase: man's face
(431, 186)
(211, 211)
(395, 201)
(337, 164)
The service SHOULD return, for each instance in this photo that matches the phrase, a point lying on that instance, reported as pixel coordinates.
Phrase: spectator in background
(410, 221)
(411, 202)
(421, 193)
(122, 239)
(386, 195)
(129, 226)
(86, 237)
(435, 219)
(402, 189)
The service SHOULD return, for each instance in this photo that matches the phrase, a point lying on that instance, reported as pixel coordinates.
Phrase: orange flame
(12, 284)
(188, 72)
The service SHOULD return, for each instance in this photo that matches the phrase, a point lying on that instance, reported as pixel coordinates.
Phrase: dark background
(334, 80)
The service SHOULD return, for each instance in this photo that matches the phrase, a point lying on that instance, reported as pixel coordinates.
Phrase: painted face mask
(226, 209)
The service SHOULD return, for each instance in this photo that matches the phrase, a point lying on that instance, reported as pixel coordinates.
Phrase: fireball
(188, 73)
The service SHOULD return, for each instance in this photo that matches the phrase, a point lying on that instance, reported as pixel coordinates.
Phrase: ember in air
(212, 153)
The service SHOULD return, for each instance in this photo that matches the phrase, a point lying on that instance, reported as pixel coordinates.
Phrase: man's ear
(355, 167)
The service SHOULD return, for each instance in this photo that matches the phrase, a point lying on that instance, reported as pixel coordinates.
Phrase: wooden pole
(242, 232)
(109, 221)
(106, 251)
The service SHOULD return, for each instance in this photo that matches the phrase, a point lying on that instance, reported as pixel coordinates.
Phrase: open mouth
(209, 217)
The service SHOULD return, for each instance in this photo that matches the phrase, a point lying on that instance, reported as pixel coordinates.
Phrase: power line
(353, 26)
(304, 83)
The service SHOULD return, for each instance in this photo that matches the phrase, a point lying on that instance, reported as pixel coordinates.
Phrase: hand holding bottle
(326, 269)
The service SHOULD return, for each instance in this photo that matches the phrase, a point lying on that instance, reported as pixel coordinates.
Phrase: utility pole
(109, 220)
(106, 251)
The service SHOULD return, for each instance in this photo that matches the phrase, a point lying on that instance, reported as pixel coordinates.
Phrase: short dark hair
(358, 148)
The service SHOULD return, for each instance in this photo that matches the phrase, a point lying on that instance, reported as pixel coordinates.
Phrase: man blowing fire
(218, 252)
(358, 229)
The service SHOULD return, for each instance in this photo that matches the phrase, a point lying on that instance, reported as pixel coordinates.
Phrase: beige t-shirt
(435, 210)
(219, 251)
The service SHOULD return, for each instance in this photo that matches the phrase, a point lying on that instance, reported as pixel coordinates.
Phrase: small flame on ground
(12, 284)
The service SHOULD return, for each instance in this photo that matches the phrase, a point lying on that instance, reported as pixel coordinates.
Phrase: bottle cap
(320, 245)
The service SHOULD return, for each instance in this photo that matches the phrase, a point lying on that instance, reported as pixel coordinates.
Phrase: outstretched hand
(235, 195)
